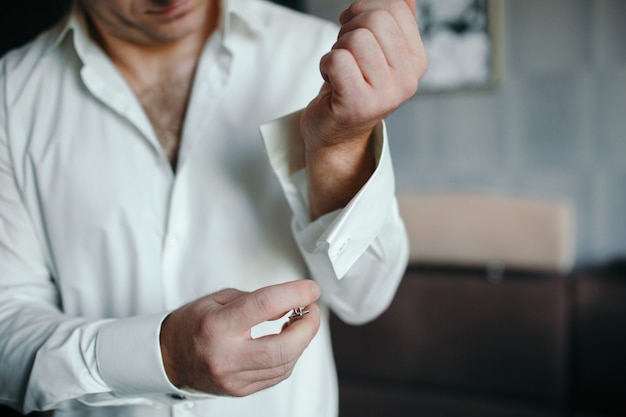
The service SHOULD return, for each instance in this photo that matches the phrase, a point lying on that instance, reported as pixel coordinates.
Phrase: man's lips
(171, 10)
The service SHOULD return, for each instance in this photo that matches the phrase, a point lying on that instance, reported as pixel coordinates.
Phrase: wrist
(167, 356)
(337, 172)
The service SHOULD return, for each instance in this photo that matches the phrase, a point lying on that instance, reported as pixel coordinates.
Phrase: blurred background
(550, 124)
(553, 124)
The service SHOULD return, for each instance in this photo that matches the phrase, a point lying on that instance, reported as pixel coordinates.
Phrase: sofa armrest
(458, 331)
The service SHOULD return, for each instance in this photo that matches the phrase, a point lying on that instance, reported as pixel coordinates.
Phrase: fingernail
(315, 289)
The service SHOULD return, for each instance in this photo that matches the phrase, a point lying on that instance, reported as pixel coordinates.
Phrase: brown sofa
(462, 342)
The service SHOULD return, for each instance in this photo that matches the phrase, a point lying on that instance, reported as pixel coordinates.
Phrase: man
(146, 257)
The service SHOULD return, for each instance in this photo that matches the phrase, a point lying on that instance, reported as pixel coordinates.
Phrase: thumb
(267, 303)
(226, 296)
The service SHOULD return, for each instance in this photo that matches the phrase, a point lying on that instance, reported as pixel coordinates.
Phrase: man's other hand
(206, 345)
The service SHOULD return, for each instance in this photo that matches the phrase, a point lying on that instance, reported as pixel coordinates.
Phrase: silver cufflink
(298, 313)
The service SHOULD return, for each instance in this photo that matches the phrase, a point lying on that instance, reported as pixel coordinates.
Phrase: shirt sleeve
(357, 254)
(49, 359)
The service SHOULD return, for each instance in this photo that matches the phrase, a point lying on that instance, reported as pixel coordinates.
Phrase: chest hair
(165, 105)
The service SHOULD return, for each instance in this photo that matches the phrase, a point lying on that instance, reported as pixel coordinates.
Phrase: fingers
(361, 6)
(412, 6)
(362, 57)
(251, 381)
(274, 356)
(256, 364)
(280, 349)
(378, 58)
(206, 344)
(268, 303)
(393, 26)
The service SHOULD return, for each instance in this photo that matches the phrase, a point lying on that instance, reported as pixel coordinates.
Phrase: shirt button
(343, 247)
(175, 396)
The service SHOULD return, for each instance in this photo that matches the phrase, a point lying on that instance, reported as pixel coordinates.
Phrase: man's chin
(173, 31)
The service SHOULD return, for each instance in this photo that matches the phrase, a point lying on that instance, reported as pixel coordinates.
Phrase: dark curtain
(294, 4)
(20, 21)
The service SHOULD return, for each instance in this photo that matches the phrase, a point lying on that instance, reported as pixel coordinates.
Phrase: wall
(554, 127)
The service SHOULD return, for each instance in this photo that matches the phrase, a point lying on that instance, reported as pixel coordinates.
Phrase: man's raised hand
(372, 69)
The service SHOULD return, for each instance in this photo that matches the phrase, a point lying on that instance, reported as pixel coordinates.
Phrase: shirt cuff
(129, 360)
(339, 238)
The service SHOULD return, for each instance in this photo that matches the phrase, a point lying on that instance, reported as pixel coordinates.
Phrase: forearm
(358, 252)
(49, 360)
(336, 173)
(32, 375)
(373, 67)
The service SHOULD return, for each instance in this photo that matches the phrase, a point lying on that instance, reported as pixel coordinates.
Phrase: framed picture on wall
(461, 37)
(462, 41)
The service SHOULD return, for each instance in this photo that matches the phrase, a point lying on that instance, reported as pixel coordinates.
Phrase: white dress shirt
(100, 239)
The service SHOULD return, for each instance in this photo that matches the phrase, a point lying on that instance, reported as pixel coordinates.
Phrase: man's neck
(145, 67)
(160, 72)
(145, 64)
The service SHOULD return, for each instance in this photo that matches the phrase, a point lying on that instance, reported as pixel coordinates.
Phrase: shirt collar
(75, 25)
(239, 11)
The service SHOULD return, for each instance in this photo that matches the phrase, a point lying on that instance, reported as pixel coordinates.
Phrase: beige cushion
(489, 230)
